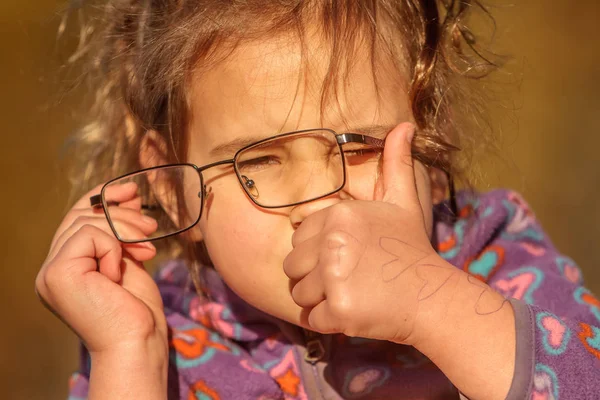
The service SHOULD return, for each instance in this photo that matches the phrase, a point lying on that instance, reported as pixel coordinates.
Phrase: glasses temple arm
(96, 201)
(358, 138)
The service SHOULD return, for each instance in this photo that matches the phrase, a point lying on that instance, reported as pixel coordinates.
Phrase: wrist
(473, 339)
(133, 370)
(462, 306)
(438, 287)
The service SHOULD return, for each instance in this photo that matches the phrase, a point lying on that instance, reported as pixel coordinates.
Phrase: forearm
(140, 371)
(471, 338)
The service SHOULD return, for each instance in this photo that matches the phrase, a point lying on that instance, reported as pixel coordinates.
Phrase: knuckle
(294, 241)
(297, 294)
(288, 267)
(49, 281)
(334, 272)
(82, 220)
(87, 229)
(336, 239)
(342, 212)
(341, 308)
(40, 286)
(335, 255)
(298, 237)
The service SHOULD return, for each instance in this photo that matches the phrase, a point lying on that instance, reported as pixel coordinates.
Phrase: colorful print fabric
(222, 348)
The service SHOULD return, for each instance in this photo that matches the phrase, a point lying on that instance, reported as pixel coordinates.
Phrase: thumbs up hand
(367, 268)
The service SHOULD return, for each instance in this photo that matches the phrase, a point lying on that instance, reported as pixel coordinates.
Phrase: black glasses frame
(99, 200)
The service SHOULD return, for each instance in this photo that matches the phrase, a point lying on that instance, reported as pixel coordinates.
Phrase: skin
(359, 262)
(89, 280)
(256, 93)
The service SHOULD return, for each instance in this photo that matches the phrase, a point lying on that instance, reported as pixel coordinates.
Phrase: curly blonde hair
(139, 56)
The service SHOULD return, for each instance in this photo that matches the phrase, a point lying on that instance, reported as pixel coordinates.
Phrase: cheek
(240, 236)
(361, 179)
(230, 223)
(247, 246)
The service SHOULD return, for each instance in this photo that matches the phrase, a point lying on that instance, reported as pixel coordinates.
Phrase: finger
(143, 251)
(310, 227)
(84, 201)
(310, 290)
(114, 193)
(134, 203)
(144, 223)
(397, 183)
(336, 253)
(90, 253)
(95, 250)
(82, 205)
(78, 256)
(302, 259)
(140, 283)
(320, 319)
(140, 251)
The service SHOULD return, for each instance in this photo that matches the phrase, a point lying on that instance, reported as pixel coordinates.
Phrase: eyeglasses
(281, 171)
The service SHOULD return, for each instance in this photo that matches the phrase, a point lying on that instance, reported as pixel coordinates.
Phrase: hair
(139, 56)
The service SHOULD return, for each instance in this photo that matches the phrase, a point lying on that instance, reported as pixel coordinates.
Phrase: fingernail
(149, 245)
(410, 134)
(148, 220)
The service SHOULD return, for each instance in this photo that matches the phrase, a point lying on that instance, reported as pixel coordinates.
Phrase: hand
(97, 285)
(367, 268)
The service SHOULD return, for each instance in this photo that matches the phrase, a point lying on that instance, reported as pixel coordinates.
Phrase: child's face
(253, 95)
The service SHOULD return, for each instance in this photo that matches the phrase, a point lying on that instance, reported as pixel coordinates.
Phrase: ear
(439, 185)
(153, 152)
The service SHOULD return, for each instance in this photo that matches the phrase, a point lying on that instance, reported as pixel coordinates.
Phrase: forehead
(277, 85)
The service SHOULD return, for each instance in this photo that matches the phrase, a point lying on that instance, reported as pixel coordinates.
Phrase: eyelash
(362, 152)
(256, 162)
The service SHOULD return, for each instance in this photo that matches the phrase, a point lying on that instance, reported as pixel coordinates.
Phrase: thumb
(396, 185)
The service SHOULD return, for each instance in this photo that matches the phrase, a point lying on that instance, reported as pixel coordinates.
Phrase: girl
(302, 151)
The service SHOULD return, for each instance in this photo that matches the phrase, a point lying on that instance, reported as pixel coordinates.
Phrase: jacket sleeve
(79, 381)
(557, 318)
(557, 331)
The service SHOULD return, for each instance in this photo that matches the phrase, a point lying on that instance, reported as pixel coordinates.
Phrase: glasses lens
(291, 169)
(171, 195)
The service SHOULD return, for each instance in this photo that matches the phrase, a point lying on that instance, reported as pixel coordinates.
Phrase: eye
(362, 155)
(362, 152)
(257, 163)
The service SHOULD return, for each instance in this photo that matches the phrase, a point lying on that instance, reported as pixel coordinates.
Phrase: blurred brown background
(550, 142)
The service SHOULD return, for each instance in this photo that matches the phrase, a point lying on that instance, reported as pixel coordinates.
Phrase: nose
(302, 211)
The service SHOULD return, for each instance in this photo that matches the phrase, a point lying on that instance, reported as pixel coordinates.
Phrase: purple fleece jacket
(223, 348)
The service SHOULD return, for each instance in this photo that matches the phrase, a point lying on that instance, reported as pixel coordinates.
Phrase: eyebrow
(231, 147)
